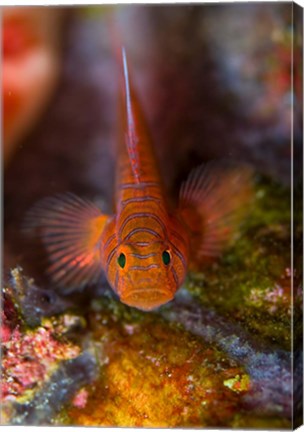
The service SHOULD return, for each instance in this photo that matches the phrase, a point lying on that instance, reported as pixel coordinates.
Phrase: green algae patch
(251, 283)
(155, 374)
(239, 383)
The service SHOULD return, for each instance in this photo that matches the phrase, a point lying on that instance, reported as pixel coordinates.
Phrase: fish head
(146, 274)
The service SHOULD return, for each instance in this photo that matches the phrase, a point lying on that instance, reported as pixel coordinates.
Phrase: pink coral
(80, 399)
(29, 357)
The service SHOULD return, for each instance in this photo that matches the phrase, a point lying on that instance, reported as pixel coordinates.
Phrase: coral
(37, 362)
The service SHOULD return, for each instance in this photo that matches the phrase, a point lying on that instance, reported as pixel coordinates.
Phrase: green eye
(122, 260)
(166, 257)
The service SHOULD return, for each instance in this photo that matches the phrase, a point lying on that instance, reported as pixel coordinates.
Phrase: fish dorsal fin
(137, 162)
(70, 229)
(213, 201)
(131, 135)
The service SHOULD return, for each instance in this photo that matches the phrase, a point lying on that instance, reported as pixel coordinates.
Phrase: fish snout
(146, 295)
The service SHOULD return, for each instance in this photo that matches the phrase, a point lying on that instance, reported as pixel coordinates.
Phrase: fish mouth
(146, 300)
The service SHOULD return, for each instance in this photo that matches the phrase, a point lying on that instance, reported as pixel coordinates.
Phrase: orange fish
(145, 247)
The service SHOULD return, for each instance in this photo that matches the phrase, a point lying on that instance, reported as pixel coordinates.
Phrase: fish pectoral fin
(70, 229)
(212, 202)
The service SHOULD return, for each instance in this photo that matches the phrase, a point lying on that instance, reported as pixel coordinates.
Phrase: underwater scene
(152, 216)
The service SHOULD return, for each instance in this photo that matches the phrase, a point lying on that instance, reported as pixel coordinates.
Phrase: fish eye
(121, 260)
(166, 257)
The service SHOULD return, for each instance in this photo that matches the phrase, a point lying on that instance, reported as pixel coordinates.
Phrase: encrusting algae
(158, 375)
(251, 283)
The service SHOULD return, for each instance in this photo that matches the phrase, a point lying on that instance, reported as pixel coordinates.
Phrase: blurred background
(214, 81)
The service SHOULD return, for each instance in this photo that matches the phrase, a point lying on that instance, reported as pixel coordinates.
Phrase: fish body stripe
(140, 185)
(179, 254)
(142, 230)
(110, 239)
(149, 255)
(137, 243)
(145, 268)
(174, 274)
(116, 277)
(141, 215)
(179, 237)
(110, 257)
(140, 199)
